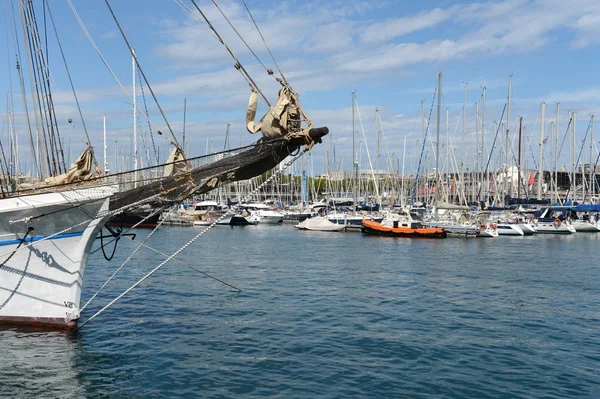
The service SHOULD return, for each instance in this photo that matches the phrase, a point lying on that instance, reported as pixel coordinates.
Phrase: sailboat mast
(464, 128)
(184, 114)
(354, 160)
(422, 138)
(541, 154)
(519, 159)
(507, 189)
(437, 136)
(592, 165)
(402, 181)
(105, 171)
(556, 152)
(135, 150)
(483, 168)
(377, 147)
(573, 156)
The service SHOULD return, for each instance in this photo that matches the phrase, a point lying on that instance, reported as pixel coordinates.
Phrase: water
(328, 315)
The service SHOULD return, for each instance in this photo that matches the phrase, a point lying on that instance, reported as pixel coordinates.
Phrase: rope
(238, 65)
(230, 211)
(142, 73)
(263, 39)
(186, 265)
(116, 211)
(269, 71)
(124, 263)
(29, 230)
(108, 258)
(89, 142)
(149, 124)
(89, 37)
(412, 200)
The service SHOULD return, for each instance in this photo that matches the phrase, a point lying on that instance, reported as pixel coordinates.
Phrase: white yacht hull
(528, 228)
(269, 217)
(554, 228)
(41, 272)
(584, 226)
(505, 229)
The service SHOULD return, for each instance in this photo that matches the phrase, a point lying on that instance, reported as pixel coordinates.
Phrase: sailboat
(47, 229)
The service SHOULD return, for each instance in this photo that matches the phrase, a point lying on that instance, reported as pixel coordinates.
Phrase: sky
(388, 52)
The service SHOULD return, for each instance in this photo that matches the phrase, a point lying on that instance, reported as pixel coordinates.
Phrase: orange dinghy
(371, 227)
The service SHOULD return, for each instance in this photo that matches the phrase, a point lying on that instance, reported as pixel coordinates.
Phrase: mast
(475, 171)
(519, 159)
(377, 146)
(226, 146)
(104, 137)
(184, 113)
(354, 160)
(464, 128)
(417, 149)
(573, 156)
(556, 152)
(437, 138)
(507, 189)
(135, 150)
(541, 154)
(592, 164)
(494, 157)
(483, 169)
(402, 181)
(447, 161)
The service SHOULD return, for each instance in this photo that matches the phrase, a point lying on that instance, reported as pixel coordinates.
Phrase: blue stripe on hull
(38, 238)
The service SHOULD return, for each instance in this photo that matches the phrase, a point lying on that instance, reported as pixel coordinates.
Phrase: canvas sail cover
(175, 163)
(281, 119)
(81, 170)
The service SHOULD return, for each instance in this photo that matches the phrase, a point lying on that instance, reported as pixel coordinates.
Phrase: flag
(562, 167)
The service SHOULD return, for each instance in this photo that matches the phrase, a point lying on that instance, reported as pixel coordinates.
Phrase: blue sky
(389, 52)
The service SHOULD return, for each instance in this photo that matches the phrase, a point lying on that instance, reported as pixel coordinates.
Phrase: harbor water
(327, 315)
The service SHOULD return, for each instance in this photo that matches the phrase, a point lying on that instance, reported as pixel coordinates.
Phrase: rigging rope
(264, 41)
(412, 199)
(186, 264)
(237, 64)
(91, 40)
(87, 136)
(230, 211)
(126, 260)
(269, 71)
(142, 73)
(21, 241)
(149, 124)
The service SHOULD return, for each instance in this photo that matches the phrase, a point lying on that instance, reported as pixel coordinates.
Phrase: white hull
(553, 228)
(319, 223)
(269, 217)
(207, 222)
(584, 226)
(41, 278)
(505, 229)
(528, 229)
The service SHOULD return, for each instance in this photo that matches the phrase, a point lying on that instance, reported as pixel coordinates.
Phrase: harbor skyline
(389, 54)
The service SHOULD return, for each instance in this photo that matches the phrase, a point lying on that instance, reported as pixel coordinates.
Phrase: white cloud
(392, 28)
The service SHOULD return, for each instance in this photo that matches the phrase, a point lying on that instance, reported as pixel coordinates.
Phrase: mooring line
(128, 258)
(231, 211)
(185, 264)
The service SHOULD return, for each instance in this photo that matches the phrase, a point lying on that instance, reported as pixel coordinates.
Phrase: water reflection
(36, 361)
